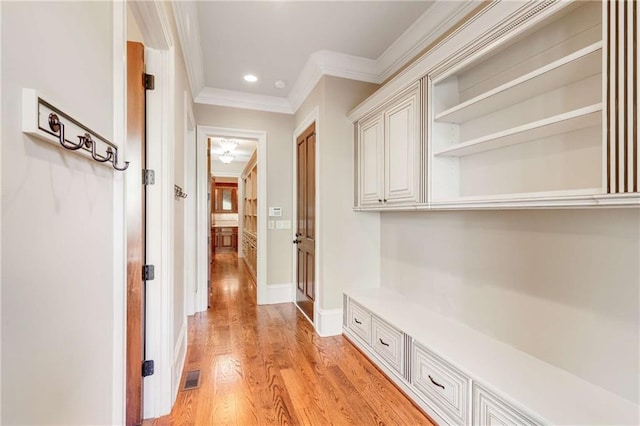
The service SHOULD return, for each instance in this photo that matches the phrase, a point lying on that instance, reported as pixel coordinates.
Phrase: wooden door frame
(313, 117)
(203, 133)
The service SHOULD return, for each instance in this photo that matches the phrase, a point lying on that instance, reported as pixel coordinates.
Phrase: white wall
(349, 243)
(279, 128)
(561, 285)
(57, 220)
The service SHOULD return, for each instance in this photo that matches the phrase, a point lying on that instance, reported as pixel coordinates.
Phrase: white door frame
(119, 384)
(314, 116)
(190, 288)
(203, 133)
(154, 23)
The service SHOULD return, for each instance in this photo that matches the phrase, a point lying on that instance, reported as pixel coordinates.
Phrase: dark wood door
(306, 220)
(136, 248)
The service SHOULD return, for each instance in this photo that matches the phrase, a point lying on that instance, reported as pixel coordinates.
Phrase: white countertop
(225, 224)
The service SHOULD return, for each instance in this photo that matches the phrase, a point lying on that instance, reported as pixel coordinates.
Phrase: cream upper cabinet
(371, 161)
(389, 152)
(527, 105)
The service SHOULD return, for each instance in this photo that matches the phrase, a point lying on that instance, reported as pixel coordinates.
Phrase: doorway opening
(231, 203)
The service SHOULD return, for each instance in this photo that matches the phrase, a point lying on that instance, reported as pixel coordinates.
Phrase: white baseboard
(179, 358)
(279, 293)
(329, 322)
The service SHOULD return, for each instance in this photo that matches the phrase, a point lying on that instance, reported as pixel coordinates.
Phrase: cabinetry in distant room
(250, 215)
(226, 197)
(226, 239)
(530, 104)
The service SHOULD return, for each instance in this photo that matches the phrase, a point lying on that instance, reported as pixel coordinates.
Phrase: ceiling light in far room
(250, 78)
(226, 158)
(228, 145)
(280, 84)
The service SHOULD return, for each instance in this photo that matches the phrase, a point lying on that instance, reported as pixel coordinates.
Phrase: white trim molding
(279, 293)
(186, 15)
(179, 358)
(329, 322)
(234, 99)
(119, 217)
(154, 23)
(432, 24)
(160, 249)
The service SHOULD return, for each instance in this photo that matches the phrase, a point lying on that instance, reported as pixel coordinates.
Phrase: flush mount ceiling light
(280, 84)
(250, 78)
(228, 145)
(226, 158)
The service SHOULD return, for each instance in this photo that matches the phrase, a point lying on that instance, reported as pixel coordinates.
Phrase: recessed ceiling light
(280, 84)
(250, 78)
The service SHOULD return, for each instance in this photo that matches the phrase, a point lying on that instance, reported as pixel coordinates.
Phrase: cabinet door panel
(371, 165)
(402, 149)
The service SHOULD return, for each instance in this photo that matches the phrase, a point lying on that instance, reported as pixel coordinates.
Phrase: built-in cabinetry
(390, 152)
(460, 376)
(226, 197)
(250, 215)
(529, 104)
(225, 239)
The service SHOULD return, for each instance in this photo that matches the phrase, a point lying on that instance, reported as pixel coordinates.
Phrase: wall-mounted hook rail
(47, 122)
(178, 192)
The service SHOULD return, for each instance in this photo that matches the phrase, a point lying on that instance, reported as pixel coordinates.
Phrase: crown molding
(432, 24)
(235, 99)
(186, 17)
(154, 23)
(439, 18)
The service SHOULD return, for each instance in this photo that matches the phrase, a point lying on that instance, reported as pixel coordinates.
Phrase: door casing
(313, 117)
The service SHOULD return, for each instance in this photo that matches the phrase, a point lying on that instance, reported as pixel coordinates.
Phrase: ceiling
(273, 40)
(300, 41)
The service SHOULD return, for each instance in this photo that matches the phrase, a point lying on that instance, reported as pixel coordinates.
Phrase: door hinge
(148, 272)
(148, 177)
(149, 81)
(147, 368)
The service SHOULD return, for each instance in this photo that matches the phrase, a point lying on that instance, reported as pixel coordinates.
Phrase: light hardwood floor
(266, 365)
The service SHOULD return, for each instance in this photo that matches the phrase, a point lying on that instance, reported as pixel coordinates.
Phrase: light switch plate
(283, 224)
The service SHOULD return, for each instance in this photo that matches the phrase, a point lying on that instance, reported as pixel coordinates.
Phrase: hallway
(265, 365)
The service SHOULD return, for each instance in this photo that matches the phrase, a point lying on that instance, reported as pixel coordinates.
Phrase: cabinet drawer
(440, 383)
(490, 409)
(388, 343)
(359, 321)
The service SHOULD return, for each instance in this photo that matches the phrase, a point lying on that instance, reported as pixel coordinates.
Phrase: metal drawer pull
(435, 383)
(356, 320)
(382, 341)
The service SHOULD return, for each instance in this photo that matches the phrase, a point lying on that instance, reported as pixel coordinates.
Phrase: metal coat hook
(177, 191)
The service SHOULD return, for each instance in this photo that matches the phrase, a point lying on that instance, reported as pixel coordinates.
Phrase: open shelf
(571, 68)
(580, 118)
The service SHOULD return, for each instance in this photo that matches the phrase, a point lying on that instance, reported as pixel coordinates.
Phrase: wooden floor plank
(265, 365)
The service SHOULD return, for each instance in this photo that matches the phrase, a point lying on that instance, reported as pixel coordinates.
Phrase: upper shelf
(571, 68)
(563, 123)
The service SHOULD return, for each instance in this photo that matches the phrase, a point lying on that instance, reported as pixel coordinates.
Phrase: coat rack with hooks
(43, 120)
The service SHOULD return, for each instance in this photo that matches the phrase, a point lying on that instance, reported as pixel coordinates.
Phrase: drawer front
(441, 384)
(359, 321)
(490, 409)
(388, 343)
